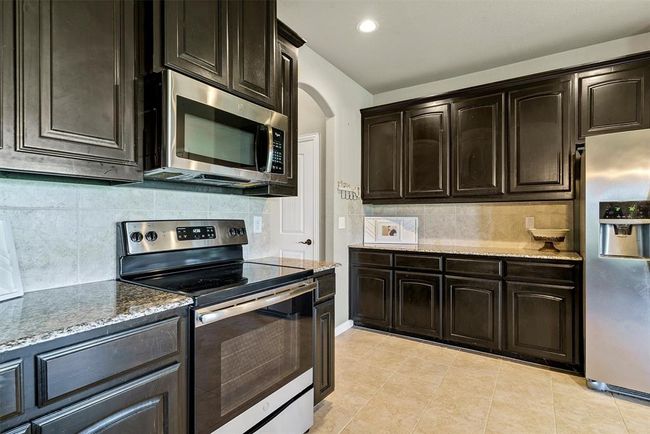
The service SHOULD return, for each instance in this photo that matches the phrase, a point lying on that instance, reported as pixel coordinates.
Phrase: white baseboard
(343, 327)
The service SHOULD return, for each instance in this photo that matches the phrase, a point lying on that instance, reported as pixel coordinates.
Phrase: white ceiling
(426, 40)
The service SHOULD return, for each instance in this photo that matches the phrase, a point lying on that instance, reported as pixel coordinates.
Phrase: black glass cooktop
(219, 283)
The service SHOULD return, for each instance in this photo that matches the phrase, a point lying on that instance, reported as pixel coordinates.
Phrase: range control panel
(165, 235)
(277, 164)
(195, 233)
(625, 210)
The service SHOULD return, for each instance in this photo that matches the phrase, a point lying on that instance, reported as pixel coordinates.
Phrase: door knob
(307, 241)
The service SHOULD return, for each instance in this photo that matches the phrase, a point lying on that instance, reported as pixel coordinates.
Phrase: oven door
(213, 133)
(252, 358)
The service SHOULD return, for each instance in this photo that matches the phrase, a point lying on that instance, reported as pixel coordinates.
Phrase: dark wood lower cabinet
(473, 311)
(540, 320)
(371, 296)
(418, 303)
(145, 405)
(524, 308)
(324, 346)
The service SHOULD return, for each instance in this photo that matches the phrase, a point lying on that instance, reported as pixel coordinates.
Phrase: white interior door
(299, 215)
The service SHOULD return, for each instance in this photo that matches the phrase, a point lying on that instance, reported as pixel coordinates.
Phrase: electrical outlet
(530, 222)
(342, 222)
(257, 224)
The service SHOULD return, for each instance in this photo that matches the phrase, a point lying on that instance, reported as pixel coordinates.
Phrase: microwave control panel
(277, 162)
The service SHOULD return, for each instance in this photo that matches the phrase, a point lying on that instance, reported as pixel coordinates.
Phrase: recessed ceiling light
(367, 26)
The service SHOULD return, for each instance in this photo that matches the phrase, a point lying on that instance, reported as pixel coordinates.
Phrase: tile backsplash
(65, 233)
(498, 224)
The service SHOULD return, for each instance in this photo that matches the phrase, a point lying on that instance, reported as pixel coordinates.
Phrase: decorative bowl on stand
(549, 236)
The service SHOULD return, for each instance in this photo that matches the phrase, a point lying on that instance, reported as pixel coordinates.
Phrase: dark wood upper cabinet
(288, 105)
(473, 311)
(196, 38)
(371, 292)
(6, 74)
(540, 321)
(426, 150)
(381, 172)
(324, 354)
(418, 303)
(253, 49)
(76, 101)
(614, 99)
(478, 146)
(540, 135)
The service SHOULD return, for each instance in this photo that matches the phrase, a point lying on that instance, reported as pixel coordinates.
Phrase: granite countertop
(48, 314)
(510, 252)
(305, 264)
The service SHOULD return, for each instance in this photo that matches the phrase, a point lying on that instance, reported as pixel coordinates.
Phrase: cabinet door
(288, 105)
(7, 109)
(252, 49)
(540, 320)
(382, 157)
(540, 137)
(426, 152)
(371, 296)
(151, 404)
(196, 39)
(478, 146)
(614, 99)
(75, 85)
(324, 347)
(418, 307)
(473, 311)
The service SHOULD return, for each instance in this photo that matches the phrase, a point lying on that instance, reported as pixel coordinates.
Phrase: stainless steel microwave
(195, 132)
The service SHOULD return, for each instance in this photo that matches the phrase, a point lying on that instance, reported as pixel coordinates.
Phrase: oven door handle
(209, 316)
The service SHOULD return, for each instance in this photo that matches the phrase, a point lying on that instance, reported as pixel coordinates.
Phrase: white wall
(343, 158)
(65, 232)
(580, 56)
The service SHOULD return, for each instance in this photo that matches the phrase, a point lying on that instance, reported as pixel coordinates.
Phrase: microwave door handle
(221, 314)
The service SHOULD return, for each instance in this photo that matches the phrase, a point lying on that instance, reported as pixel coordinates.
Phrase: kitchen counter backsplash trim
(474, 251)
(50, 314)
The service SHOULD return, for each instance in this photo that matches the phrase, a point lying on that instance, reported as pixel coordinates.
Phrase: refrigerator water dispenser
(625, 229)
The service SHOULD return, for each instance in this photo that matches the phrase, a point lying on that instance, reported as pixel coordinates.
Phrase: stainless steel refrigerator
(615, 244)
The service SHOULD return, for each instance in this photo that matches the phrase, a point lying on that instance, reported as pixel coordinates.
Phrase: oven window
(255, 361)
(242, 359)
(213, 136)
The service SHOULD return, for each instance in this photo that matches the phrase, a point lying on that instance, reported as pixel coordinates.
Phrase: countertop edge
(36, 339)
(466, 250)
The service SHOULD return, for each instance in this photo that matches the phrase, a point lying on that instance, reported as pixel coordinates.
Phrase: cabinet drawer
(419, 262)
(541, 271)
(358, 257)
(71, 369)
(326, 288)
(11, 389)
(474, 267)
(149, 404)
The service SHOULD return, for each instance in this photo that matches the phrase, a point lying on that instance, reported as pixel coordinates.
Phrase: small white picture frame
(11, 285)
(390, 230)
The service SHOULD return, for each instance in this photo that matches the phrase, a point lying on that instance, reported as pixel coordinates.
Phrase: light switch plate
(342, 222)
(530, 222)
(257, 224)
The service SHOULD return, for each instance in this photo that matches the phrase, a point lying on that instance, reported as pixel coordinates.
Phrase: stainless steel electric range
(252, 334)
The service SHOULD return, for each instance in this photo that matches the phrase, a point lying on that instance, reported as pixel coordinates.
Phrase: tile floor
(389, 384)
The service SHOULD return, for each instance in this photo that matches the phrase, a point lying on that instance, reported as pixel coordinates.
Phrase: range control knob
(240, 231)
(136, 237)
(233, 232)
(151, 236)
